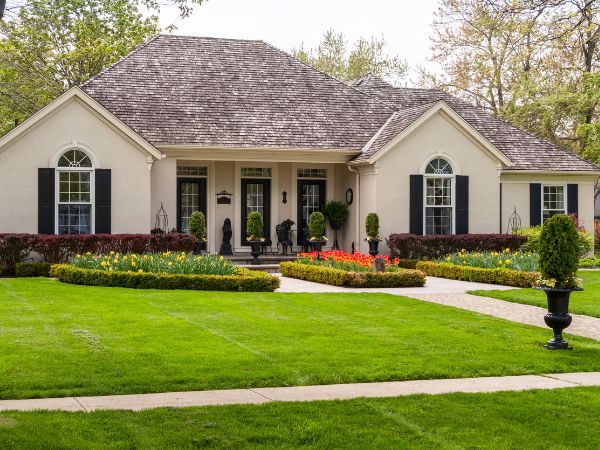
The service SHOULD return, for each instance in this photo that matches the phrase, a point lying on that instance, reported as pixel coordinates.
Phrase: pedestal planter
(255, 250)
(317, 245)
(373, 247)
(558, 317)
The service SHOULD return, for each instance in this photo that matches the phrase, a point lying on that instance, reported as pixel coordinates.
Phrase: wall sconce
(223, 198)
(284, 195)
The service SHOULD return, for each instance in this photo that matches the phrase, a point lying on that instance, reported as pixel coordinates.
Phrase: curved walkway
(453, 293)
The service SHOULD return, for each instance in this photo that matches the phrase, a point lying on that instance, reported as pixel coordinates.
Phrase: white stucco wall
(164, 190)
(73, 122)
(387, 190)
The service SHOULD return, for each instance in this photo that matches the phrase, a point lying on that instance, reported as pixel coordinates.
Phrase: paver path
(453, 293)
(305, 393)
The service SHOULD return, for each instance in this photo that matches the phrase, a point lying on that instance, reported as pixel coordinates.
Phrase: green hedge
(408, 263)
(337, 277)
(504, 277)
(246, 281)
(32, 269)
(590, 262)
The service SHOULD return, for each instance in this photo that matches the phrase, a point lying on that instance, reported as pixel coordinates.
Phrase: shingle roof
(234, 93)
(525, 150)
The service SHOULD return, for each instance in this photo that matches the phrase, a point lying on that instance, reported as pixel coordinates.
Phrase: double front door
(191, 196)
(311, 198)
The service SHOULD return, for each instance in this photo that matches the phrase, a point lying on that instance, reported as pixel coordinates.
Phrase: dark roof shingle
(234, 93)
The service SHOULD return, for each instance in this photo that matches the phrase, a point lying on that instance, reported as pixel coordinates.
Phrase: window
(75, 177)
(188, 170)
(312, 173)
(439, 197)
(553, 201)
(261, 172)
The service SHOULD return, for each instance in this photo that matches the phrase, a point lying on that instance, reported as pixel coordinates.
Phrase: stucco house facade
(233, 126)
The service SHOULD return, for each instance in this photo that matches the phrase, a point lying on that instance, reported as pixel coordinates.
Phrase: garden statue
(227, 234)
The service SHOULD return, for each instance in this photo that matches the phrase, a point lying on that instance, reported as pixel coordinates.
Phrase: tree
(368, 56)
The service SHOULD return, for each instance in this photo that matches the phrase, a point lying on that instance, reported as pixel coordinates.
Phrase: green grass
(586, 302)
(59, 340)
(562, 418)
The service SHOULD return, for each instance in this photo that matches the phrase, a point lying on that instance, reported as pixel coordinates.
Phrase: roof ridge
(123, 58)
(213, 38)
(346, 85)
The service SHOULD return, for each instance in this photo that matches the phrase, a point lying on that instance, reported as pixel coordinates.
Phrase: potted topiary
(336, 214)
(316, 229)
(254, 234)
(372, 230)
(197, 226)
(559, 261)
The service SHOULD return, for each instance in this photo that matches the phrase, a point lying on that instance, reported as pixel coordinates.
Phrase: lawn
(586, 302)
(59, 340)
(562, 418)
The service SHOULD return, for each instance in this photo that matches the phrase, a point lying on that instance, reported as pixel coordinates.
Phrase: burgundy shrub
(412, 246)
(14, 248)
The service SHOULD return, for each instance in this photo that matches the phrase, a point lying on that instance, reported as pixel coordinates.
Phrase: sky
(405, 24)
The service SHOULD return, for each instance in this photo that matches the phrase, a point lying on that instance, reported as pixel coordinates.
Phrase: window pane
(74, 219)
(439, 166)
(438, 221)
(438, 192)
(553, 201)
(256, 172)
(74, 158)
(189, 170)
(74, 187)
(312, 173)
(255, 199)
(189, 203)
(310, 201)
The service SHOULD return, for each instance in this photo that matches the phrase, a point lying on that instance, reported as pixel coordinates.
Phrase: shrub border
(337, 277)
(32, 269)
(245, 281)
(505, 277)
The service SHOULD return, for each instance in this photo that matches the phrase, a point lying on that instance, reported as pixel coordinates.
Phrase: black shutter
(573, 199)
(416, 204)
(46, 201)
(535, 204)
(102, 200)
(462, 204)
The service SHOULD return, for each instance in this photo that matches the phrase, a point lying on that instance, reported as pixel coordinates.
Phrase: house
(233, 126)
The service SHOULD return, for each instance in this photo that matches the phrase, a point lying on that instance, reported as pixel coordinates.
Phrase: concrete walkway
(304, 393)
(453, 293)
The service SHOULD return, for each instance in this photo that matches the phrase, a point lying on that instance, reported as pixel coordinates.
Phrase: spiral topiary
(559, 253)
(372, 227)
(254, 226)
(316, 226)
(198, 225)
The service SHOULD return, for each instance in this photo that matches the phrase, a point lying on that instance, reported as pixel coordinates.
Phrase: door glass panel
(309, 201)
(255, 199)
(190, 196)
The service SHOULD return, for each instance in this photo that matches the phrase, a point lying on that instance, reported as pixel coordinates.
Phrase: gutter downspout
(357, 200)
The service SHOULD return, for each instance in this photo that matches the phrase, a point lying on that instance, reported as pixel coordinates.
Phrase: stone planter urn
(373, 247)
(255, 250)
(558, 317)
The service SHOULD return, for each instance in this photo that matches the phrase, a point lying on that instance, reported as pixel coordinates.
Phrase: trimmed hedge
(408, 263)
(412, 246)
(505, 277)
(246, 281)
(337, 277)
(33, 269)
(14, 248)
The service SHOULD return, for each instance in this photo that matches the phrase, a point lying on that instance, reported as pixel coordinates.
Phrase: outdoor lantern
(284, 195)
(162, 220)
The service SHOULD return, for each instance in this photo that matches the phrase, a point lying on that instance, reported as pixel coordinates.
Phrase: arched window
(439, 197)
(75, 171)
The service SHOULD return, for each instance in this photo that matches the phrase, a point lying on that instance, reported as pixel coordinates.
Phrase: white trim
(456, 170)
(76, 93)
(441, 106)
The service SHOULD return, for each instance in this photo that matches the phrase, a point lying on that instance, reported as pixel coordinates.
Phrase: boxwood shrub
(33, 269)
(505, 277)
(245, 281)
(337, 277)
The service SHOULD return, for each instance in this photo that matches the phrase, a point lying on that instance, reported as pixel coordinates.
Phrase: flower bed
(411, 246)
(350, 262)
(502, 276)
(166, 262)
(506, 259)
(590, 262)
(243, 281)
(339, 277)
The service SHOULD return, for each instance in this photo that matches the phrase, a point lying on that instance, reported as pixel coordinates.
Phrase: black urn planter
(317, 245)
(373, 247)
(199, 247)
(255, 250)
(558, 317)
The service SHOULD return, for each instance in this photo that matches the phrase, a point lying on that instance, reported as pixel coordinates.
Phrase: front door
(311, 198)
(191, 196)
(256, 196)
